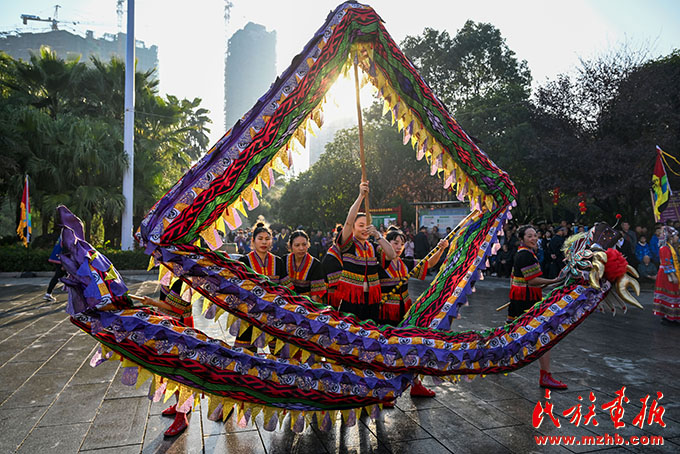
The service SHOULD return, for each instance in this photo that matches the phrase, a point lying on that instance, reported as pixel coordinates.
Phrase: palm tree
(49, 82)
(62, 122)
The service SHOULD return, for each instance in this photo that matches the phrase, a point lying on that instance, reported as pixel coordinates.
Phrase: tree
(62, 122)
(473, 64)
(478, 76)
(49, 82)
(606, 148)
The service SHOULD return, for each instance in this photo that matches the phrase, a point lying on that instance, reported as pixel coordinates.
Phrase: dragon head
(593, 257)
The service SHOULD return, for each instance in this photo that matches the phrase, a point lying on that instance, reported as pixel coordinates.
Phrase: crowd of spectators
(418, 243)
(640, 247)
(319, 240)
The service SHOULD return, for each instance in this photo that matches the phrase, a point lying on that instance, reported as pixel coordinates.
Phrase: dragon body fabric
(344, 363)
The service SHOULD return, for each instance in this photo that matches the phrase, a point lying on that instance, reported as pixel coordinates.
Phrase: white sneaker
(48, 297)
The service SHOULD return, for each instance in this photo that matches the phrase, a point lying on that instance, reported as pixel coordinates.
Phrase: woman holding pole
(358, 288)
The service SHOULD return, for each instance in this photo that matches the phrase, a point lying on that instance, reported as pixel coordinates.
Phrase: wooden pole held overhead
(361, 134)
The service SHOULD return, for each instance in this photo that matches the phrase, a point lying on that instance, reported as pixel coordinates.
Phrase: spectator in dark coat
(654, 246)
(628, 251)
(627, 232)
(555, 254)
(504, 261)
(434, 237)
(544, 244)
(647, 270)
(315, 248)
(421, 245)
(511, 239)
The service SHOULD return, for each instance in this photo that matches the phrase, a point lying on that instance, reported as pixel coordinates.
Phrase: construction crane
(120, 10)
(26, 17)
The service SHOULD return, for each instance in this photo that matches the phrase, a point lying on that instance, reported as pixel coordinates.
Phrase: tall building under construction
(67, 44)
(250, 69)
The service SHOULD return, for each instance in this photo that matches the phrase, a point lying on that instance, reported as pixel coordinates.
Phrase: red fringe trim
(355, 294)
(331, 297)
(390, 313)
(520, 293)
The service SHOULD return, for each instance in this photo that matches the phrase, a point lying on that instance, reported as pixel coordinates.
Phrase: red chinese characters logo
(651, 413)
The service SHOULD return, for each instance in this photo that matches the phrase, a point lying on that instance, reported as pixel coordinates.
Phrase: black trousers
(58, 273)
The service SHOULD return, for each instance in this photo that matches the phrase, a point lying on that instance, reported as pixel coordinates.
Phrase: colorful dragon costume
(345, 364)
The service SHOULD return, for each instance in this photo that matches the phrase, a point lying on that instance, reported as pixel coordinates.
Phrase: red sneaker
(170, 411)
(178, 426)
(418, 390)
(547, 381)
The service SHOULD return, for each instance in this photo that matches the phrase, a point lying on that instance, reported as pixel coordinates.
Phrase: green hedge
(18, 258)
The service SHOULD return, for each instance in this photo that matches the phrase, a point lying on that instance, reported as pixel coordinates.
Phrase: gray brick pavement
(51, 400)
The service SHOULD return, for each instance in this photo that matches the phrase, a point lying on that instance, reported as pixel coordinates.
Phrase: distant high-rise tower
(250, 70)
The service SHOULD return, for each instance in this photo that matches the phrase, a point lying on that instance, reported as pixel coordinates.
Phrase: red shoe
(170, 411)
(547, 381)
(418, 390)
(178, 426)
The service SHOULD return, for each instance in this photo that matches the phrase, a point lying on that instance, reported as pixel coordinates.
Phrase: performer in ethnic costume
(667, 293)
(392, 310)
(265, 263)
(261, 260)
(359, 284)
(303, 270)
(526, 290)
(172, 304)
(331, 264)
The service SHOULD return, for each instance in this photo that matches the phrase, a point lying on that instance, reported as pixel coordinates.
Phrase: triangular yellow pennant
(209, 236)
(284, 158)
(184, 394)
(238, 205)
(206, 305)
(244, 326)
(142, 376)
(110, 274)
(257, 185)
(170, 389)
(248, 197)
(279, 345)
(300, 136)
(213, 402)
(268, 414)
(127, 363)
(294, 415)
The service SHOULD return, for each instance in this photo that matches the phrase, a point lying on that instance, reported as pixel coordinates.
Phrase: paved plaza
(52, 401)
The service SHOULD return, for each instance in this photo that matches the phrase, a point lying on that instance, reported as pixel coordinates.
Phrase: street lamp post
(126, 240)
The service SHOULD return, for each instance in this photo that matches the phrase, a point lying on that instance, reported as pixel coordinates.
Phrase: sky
(191, 36)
